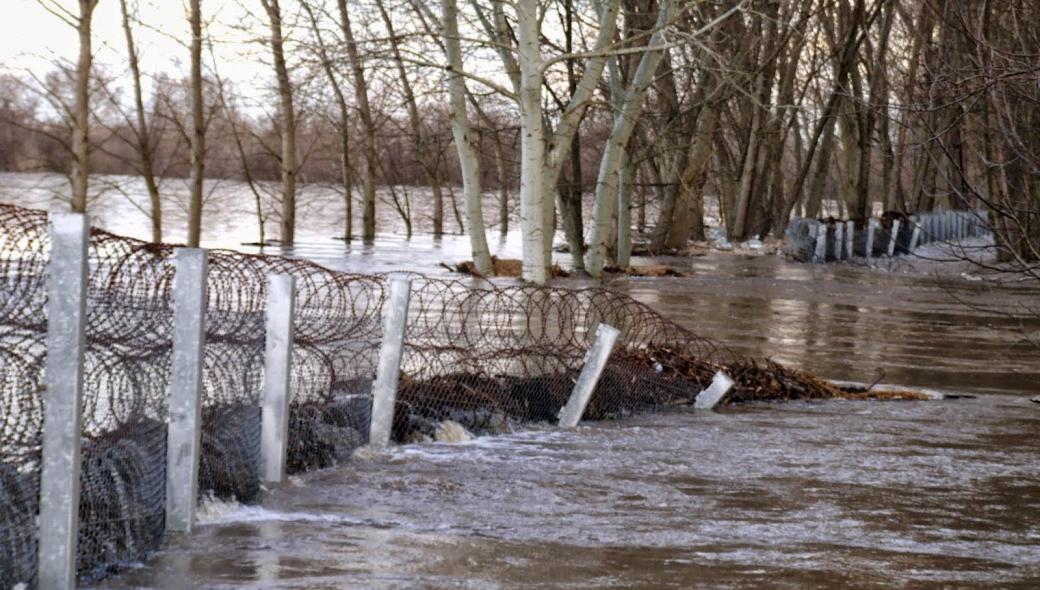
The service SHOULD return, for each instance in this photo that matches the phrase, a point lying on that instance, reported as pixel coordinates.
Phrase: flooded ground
(844, 494)
(839, 494)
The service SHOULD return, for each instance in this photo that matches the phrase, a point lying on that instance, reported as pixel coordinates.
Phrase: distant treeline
(769, 107)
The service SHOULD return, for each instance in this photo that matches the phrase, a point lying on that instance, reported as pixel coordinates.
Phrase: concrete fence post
(814, 235)
(384, 389)
(595, 361)
(63, 401)
(839, 239)
(916, 234)
(183, 434)
(850, 242)
(274, 414)
(711, 396)
(871, 230)
(893, 238)
(820, 254)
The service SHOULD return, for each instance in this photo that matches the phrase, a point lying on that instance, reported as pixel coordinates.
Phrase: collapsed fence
(893, 234)
(487, 357)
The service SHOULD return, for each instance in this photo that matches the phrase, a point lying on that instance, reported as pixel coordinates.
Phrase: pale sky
(31, 37)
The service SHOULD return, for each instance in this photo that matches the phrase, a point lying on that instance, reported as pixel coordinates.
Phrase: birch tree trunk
(469, 160)
(140, 130)
(561, 144)
(198, 129)
(368, 144)
(532, 143)
(607, 181)
(288, 123)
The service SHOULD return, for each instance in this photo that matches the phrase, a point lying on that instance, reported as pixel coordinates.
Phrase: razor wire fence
(488, 357)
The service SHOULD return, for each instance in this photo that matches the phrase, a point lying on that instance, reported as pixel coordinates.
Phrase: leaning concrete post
(711, 396)
(595, 361)
(384, 389)
(893, 238)
(63, 401)
(820, 255)
(274, 415)
(183, 433)
(850, 230)
(839, 239)
(915, 235)
(871, 229)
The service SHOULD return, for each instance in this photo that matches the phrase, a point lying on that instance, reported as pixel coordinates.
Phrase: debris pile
(758, 380)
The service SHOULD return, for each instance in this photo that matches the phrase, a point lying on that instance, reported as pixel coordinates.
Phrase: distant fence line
(486, 356)
(811, 240)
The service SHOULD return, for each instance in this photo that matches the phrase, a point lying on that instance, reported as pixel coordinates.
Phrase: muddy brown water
(841, 494)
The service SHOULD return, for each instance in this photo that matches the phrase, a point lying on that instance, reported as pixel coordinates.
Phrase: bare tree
(607, 182)
(427, 158)
(287, 116)
(198, 128)
(342, 123)
(464, 138)
(140, 128)
(81, 106)
(368, 126)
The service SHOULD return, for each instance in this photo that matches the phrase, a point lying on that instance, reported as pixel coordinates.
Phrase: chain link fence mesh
(487, 357)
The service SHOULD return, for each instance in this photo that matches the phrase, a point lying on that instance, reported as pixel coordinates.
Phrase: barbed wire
(487, 356)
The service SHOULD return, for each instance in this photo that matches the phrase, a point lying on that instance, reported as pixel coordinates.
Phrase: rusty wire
(489, 357)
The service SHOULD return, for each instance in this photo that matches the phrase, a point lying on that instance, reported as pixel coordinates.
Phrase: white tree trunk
(608, 181)
(469, 161)
(532, 143)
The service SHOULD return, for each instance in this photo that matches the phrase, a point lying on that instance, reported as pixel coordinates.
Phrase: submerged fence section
(487, 357)
(893, 234)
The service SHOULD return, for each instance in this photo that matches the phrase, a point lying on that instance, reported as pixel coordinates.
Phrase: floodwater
(844, 494)
(942, 494)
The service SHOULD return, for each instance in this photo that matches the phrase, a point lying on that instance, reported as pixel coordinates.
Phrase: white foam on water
(217, 511)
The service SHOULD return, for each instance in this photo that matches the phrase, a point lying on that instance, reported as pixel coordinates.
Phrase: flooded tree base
(512, 268)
